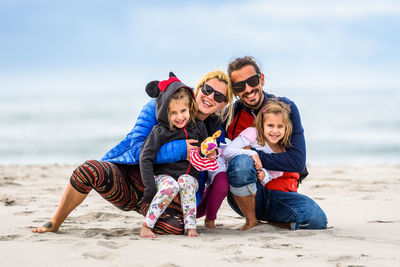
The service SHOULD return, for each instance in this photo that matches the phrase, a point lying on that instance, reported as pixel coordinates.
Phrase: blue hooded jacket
(128, 150)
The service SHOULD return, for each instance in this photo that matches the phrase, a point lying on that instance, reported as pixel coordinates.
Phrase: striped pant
(121, 185)
(168, 188)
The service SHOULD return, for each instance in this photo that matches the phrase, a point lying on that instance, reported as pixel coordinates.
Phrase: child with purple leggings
(212, 198)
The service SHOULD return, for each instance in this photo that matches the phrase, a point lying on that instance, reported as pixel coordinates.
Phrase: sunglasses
(252, 81)
(208, 90)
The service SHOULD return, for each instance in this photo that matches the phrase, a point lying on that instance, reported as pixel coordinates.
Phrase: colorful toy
(210, 143)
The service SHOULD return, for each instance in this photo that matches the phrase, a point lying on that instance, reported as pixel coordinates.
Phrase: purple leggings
(213, 197)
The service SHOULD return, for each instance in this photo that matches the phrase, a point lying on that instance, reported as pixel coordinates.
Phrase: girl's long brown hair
(274, 106)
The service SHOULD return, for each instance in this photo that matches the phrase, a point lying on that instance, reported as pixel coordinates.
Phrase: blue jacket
(294, 159)
(128, 150)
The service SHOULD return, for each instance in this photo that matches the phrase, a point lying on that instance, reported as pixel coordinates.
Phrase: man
(247, 196)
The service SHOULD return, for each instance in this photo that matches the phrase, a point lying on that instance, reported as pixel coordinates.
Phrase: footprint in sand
(343, 258)
(243, 259)
(281, 246)
(7, 200)
(9, 237)
(99, 255)
(119, 232)
(110, 244)
(384, 221)
(27, 212)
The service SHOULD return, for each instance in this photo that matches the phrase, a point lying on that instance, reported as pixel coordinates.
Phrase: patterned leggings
(121, 185)
(168, 188)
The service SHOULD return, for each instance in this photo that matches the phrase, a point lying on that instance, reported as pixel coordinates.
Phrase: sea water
(342, 127)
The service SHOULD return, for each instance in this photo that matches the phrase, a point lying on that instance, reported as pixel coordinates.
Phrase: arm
(264, 176)
(235, 148)
(294, 159)
(147, 155)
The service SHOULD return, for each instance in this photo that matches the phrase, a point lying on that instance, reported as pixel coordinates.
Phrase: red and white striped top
(200, 163)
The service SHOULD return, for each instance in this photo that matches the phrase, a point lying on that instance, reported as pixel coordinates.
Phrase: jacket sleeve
(294, 159)
(173, 151)
(236, 147)
(146, 162)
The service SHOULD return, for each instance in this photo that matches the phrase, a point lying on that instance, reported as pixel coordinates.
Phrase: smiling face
(178, 112)
(274, 128)
(206, 103)
(252, 97)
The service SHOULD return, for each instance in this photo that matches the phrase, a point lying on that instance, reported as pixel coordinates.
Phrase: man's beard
(256, 105)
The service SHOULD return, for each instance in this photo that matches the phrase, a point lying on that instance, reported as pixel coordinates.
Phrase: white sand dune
(362, 205)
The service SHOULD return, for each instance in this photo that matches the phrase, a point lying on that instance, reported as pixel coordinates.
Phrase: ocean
(40, 126)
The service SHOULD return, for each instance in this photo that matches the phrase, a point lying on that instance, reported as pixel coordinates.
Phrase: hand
(260, 175)
(189, 147)
(247, 147)
(212, 156)
(177, 199)
(257, 162)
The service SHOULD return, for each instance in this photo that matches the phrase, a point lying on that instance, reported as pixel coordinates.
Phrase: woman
(117, 177)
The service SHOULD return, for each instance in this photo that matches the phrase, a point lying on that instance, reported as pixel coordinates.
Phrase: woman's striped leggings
(121, 185)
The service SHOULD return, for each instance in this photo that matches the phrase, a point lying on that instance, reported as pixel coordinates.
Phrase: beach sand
(362, 205)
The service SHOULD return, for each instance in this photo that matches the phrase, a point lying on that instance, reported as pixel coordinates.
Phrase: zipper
(184, 130)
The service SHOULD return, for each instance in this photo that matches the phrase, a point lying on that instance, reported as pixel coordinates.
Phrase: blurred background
(72, 73)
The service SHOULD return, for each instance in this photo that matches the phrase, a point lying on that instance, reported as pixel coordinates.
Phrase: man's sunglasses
(208, 90)
(252, 81)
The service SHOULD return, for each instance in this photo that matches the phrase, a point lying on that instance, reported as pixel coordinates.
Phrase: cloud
(319, 40)
(342, 9)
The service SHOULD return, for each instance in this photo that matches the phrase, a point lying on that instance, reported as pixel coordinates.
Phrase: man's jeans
(274, 206)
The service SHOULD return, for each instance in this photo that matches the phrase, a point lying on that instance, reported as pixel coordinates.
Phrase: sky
(68, 68)
(314, 44)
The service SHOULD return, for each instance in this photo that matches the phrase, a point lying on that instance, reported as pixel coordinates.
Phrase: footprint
(98, 255)
(9, 237)
(27, 212)
(281, 246)
(110, 244)
(7, 200)
(383, 221)
(243, 259)
(342, 258)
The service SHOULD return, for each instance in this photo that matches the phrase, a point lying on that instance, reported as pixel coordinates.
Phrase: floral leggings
(168, 188)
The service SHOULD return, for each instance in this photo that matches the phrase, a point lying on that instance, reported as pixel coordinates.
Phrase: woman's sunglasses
(252, 81)
(208, 90)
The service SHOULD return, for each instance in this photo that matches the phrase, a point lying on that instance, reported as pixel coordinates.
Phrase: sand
(361, 203)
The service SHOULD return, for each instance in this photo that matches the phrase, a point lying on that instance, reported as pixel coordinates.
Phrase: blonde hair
(182, 94)
(226, 114)
(274, 106)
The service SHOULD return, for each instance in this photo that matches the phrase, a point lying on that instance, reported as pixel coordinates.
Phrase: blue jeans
(242, 176)
(274, 206)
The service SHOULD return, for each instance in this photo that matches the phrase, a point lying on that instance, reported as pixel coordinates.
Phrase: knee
(187, 181)
(318, 219)
(315, 219)
(221, 183)
(241, 171)
(84, 177)
(168, 186)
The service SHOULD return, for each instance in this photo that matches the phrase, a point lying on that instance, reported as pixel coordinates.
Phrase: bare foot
(249, 225)
(192, 233)
(47, 227)
(210, 224)
(146, 232)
